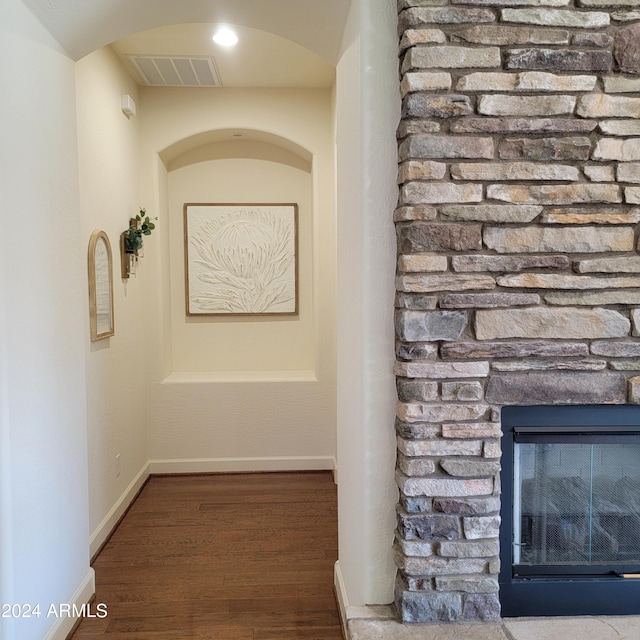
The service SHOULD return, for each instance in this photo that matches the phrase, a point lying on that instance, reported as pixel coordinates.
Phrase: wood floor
(222, 557)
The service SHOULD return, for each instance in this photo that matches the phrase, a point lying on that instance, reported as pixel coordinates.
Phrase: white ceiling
(260, 59)
(82, 26)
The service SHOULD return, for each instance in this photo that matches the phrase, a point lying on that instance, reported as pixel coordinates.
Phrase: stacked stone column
(518, 269)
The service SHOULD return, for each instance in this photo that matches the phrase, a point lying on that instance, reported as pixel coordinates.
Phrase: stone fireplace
(518, 276)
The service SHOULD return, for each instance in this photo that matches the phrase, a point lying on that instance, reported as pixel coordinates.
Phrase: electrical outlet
(117, 465)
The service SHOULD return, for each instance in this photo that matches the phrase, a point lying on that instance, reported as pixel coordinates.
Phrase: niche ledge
(190, 377)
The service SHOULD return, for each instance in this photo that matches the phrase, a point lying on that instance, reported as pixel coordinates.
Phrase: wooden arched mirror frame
(100, 286)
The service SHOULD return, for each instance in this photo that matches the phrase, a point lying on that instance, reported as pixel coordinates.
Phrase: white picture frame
(241, 259)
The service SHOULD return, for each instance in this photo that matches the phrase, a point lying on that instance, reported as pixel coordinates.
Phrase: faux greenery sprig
(139, 226)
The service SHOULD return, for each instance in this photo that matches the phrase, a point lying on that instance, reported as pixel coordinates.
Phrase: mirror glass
(100, 286)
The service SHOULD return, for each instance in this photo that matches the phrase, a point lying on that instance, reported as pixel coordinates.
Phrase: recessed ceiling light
(225, 37)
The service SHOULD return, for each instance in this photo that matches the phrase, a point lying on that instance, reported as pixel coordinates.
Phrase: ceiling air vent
(176, 71)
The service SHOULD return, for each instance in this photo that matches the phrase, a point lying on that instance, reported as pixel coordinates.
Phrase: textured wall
(518, 269)
(109, 195)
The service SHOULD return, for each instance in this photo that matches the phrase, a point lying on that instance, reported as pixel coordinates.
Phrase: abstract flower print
(243, 259)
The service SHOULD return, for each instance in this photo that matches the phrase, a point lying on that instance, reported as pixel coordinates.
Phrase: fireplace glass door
(570, 510)
(576, 503)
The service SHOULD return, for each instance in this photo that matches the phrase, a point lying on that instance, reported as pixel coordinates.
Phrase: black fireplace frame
(569, 592)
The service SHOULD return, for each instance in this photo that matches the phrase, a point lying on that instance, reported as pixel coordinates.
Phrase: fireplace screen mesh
(576, 504)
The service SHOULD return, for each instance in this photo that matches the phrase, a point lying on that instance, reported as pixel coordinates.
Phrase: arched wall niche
(240, 166)
(236, 143)
(248, 393)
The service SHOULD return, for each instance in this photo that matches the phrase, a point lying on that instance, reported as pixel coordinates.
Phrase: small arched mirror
(100, 286)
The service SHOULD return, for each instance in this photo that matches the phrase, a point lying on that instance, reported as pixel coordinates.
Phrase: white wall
(379, 120)
(248, 411)
(44, 553)
(108, 144)
(367, 100)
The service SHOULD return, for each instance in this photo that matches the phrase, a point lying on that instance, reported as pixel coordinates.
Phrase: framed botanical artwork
(241, 259)
(100, 286)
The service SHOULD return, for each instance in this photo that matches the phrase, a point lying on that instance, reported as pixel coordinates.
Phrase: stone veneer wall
(518, 270)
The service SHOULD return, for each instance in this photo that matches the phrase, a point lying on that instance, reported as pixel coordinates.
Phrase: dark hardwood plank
(281, 633)
(233, 557)
(322, 576)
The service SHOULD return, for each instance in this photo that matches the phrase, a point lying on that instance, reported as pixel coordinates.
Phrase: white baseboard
(104, 529)
(83, 594)
(341, 595)
(235, 465)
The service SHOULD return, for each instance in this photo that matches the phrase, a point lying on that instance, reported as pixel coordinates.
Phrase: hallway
(84, 423)
(228, 557)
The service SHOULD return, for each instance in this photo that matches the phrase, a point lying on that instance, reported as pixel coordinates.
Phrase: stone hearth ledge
(379, 623)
